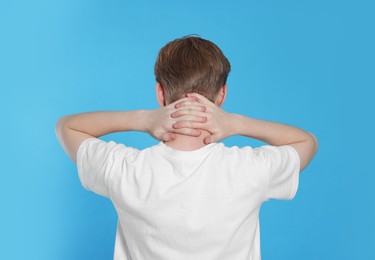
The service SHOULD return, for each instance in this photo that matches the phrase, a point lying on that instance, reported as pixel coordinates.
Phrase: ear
(160, 94)
(220, 98)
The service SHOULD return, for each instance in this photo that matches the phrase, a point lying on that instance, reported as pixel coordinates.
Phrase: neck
(188, 143)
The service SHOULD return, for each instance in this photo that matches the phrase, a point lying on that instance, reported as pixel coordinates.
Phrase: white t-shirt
(188, 205)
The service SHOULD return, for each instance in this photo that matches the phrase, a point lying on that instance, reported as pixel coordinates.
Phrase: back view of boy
(188, 197)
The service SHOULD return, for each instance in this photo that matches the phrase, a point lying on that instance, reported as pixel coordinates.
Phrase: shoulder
(261, 154)
(243, 153)
(101, 147)
(235, 149)
(258, 151)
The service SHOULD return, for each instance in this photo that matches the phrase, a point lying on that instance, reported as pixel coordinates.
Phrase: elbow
(314, 141)
(59, 126)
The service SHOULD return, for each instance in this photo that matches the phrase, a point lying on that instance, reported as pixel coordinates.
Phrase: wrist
(234, 124)
(144, 120)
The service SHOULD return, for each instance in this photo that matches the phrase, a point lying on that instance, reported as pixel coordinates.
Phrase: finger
(209, 139)
(191, 98)
(192, 112)
(188, 124)
(186, 103)
(213, 138)
(188, 131)
(192, 118)
(192, 107)
(195, 106)
(201, 99)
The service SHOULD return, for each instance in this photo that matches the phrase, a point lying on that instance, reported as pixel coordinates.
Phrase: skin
(222, 124)
(187, 124)
(187, 116)
(72, 130)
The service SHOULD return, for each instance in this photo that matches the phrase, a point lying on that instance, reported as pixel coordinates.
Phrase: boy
(188, 197)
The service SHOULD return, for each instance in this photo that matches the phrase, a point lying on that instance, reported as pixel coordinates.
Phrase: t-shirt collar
(185, 154)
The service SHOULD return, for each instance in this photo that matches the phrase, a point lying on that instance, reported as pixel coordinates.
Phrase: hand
(160, 122)
(218, 121)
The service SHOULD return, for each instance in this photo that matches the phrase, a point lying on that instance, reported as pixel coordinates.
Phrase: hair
(191, 64)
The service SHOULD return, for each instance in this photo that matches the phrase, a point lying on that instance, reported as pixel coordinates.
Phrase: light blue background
(304, 63)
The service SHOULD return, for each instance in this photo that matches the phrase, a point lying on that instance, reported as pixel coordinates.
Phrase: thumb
(209, 139)
(168, 137)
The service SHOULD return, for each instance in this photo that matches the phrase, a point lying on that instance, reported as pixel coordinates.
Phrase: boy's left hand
(159, 122)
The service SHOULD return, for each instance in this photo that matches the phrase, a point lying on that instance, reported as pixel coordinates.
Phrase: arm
(276, 134)
(222, 124)
(72, 130)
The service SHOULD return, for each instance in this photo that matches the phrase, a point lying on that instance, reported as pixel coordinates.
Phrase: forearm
(222, 124)
(269, 132)
(72, 130)
(105, 122)
(275, 134)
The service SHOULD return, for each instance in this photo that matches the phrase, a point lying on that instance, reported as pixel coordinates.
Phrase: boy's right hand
(218, 121)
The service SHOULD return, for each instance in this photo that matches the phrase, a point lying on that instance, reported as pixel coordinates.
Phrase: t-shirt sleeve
(282, 167)
(100, 164)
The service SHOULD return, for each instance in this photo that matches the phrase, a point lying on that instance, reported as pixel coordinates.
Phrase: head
(191, 64)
